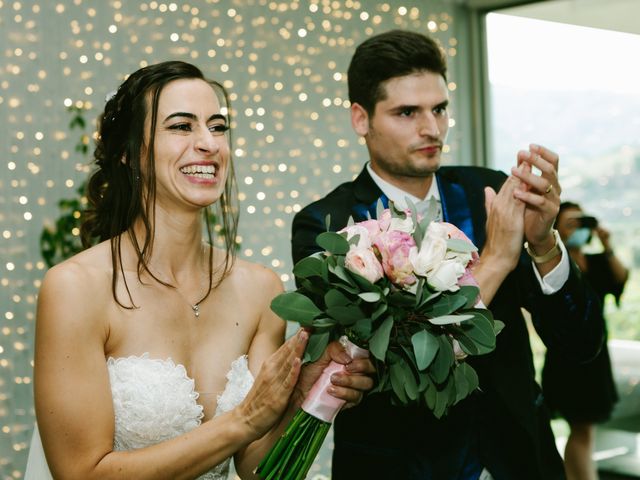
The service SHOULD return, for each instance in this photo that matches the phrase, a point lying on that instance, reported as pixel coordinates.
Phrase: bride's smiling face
(191, 148)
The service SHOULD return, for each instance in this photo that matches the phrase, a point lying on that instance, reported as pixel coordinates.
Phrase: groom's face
(408, 128)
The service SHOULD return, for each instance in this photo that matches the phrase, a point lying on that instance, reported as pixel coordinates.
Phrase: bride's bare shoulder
(87, 271)
(253, 277)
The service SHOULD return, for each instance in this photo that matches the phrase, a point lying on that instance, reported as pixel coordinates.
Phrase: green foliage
(410, 333)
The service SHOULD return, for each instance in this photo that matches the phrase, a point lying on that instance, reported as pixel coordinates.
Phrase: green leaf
(410, 384)
(362, 282)
(466, 381)
(370, 297)
(295, 307)
(380, 340)
(446, 304)
(443, 400)
(459, 245)
(449, 319)
(308, 267)
(340, 272)
(397, 381)
(323, 324)
(346, 315)
(327, 222)
(419, 291)
(425, 348)
(333, 243)
(379, 311)
(441, 366)
(379, 209)
(362, 328)
(480, 332)
(334, 298)
(470, 292)
(315, 346)
(401, 299)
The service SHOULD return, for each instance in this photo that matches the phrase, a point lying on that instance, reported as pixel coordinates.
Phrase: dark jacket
(504, 426)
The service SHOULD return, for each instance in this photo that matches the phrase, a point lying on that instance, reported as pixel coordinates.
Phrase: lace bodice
(154, 400)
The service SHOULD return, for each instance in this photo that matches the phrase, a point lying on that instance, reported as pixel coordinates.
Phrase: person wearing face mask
(584, 394)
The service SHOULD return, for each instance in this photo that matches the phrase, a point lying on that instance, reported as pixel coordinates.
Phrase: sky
(538, 54)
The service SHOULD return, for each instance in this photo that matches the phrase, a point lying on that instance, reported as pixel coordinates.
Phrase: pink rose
(394, 247)
(385, 220)
(363, 262)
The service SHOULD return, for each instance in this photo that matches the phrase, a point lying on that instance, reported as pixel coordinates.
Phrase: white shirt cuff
(556, 278)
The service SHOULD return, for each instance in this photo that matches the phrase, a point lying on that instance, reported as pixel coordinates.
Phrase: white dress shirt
(550, 283)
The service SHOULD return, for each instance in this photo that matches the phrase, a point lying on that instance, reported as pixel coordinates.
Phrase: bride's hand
(269, 396)
(349, 385)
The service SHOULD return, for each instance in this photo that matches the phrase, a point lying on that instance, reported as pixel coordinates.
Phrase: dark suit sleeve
(307, 225)
(570, 321)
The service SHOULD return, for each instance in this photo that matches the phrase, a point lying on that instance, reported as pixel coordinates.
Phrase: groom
(399, 98)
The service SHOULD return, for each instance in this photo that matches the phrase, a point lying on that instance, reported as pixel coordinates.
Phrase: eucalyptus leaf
(441, 366)
(480, 332)
(370, 297)
(379, 311)
(346, 315)
(327, 222)
(410, 384)
(335, 298)
(308, 267)
(333, 243)
(462, 246)
(362, 282)
(425, 348)
(362, 328)
(354, 239)
(396, 373)
(379, 209)
(449, 319)
(323, 324)
(316, 345)
(470, 292)
(295, 307)
(340, 272)
(380, 340)
(445, 305)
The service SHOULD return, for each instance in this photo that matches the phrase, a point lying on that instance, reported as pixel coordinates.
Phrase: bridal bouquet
(401, 288)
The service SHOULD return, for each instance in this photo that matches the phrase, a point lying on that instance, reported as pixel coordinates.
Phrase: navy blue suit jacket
(504, 425)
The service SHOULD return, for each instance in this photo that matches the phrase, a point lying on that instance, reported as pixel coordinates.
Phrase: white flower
(402, 225)
(445, 276)
(432, 252)
(364, 241)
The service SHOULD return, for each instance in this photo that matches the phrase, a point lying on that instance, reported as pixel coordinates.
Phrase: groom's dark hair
(388, 55)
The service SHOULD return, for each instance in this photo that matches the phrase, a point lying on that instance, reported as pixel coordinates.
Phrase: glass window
(576, 90)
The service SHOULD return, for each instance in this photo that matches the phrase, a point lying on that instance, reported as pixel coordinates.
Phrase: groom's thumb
(489, 196)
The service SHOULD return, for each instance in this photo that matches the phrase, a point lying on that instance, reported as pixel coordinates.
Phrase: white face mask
(578, 238)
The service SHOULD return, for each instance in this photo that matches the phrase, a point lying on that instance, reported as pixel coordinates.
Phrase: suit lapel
(455, 206)
(367, 194)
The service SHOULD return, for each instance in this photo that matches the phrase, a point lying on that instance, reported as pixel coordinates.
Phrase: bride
(157, 355)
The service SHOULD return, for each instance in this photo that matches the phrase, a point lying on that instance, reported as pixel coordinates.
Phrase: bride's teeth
(200, 171)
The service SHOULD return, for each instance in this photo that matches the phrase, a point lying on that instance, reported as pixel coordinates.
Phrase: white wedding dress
(154, 400)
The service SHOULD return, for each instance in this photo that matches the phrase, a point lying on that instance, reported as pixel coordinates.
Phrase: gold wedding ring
(548, 190)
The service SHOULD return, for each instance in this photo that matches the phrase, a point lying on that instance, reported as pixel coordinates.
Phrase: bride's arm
(269, 335)
(73, 397)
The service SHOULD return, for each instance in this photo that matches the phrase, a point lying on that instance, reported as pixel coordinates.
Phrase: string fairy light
(284, 63)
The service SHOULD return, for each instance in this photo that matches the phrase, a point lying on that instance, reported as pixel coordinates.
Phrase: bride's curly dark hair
(116, 189)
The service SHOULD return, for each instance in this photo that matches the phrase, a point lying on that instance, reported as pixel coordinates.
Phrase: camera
(587, 221)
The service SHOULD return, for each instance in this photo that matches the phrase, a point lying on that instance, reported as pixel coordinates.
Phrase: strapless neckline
(154, 399)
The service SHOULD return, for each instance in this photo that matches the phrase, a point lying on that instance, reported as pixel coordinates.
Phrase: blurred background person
(584, 394)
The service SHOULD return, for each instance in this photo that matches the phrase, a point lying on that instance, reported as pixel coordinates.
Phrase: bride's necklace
(195, 307)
